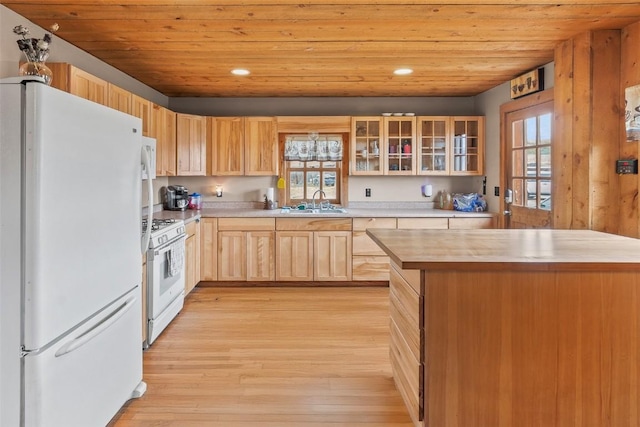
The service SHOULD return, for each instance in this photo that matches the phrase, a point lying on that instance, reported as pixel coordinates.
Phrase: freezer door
(82, 210)
(84, 379)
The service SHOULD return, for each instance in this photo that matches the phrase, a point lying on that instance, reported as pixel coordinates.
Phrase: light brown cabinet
(119, 99)
(313, 249)
(164, 121)
(332, 256)
(191, 142)
(367, 148)
(209, 249)
(243, 146)
(225, 145)
(246, 249)
(88, 86)
(369, 261)
(433, 145)
(192, 256)
(467, 146)
(260, 146)
(143, 109)
(400, 143)
(294, 256)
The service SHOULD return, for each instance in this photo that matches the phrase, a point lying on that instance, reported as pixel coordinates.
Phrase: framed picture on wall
(632, 113)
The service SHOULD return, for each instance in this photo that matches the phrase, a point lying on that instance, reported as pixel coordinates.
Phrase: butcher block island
(515, 327)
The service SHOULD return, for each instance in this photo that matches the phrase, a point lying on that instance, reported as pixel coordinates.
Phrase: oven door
(163, 287)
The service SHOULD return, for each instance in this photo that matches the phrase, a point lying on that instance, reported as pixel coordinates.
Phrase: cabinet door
(164, 122)
(467, 145)
(261, 146)
(119, 99)
(232, 255)
(332, 256)
(191, 144)
(88, 86)
(367, 146)
(190, 264)
(192, 256)
(294, 255)
(226, 145)
(209, 249)
(260, 256)
(432, 145)
(143, 109)
(400, 139)
(471, 223)
(423, 223)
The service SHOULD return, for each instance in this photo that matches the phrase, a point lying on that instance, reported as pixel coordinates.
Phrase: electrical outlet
(367, 192)
(496, 191)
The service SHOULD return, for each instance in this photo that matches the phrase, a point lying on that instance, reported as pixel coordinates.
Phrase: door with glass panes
(529, 142)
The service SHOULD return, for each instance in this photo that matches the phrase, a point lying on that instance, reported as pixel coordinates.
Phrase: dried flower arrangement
(36, 50)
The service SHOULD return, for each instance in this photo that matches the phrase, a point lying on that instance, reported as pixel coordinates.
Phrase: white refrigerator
(70, 258)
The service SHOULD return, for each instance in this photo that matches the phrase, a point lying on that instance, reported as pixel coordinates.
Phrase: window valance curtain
(304, 148)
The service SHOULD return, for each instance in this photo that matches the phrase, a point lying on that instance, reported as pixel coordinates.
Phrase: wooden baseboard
(359, 284)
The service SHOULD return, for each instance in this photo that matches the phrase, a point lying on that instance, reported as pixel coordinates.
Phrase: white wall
(61, 51)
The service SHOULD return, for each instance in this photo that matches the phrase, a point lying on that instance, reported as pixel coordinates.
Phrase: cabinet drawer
(370, 268)
(471, 223)
(246, 224)
(361, 224)
(423, 223)
(313, 224)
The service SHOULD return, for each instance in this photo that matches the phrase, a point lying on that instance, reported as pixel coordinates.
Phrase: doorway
(527, 144)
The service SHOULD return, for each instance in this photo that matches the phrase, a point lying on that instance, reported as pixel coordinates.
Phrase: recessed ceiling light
(240, 72)
(403, 71)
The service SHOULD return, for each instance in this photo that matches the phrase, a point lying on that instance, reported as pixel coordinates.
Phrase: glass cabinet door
(400, 143)
(467, 145)
(433, 153)
(366, 146)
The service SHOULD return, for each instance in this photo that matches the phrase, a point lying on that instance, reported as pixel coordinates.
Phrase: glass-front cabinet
(424, 145)
(400, 137)
(366, 146)
(433, 137)
(467, 146)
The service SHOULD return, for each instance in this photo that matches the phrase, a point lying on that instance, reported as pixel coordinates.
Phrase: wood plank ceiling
(322, 47)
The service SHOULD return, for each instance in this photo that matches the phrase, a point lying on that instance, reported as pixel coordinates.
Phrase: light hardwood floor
(272, 357)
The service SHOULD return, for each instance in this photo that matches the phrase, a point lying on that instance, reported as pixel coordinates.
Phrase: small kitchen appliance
(175, 198)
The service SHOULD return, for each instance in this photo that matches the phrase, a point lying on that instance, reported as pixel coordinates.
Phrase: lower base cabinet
(209, 249)
(294, 256)
(246, 249)
(192, 256)
(332, 256)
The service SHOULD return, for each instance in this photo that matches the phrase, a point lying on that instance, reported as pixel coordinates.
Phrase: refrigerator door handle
(109, 320)
(147, 235)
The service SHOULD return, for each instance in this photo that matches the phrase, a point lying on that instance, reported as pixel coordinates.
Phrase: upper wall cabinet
(226, 145)
(467, 146)
(164, 122)
(119, 99)
(70, 79)
(367, 146)
(243, 146)
(191, 141)
(143, 109)
(260, 146)
(433, 145)
(400, 141)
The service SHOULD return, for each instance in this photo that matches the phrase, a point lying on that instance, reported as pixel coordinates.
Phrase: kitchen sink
(316, 211)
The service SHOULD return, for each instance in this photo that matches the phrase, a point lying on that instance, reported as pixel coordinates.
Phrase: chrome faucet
(313, 198)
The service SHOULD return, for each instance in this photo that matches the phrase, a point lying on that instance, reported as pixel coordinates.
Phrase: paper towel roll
(269, 192)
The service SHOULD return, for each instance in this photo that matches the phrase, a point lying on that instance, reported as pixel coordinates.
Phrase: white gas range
(165, 274)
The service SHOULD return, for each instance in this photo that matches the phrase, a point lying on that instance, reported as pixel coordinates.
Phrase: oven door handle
(167, 246)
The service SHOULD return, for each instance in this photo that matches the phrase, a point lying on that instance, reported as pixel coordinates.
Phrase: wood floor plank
(273, 356)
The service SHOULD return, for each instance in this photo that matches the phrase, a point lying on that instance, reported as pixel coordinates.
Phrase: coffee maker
(175, 198)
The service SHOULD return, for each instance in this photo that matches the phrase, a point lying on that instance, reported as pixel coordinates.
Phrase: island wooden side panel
(532, 349)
